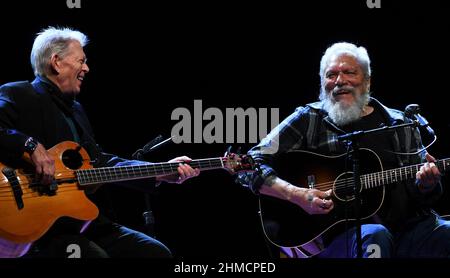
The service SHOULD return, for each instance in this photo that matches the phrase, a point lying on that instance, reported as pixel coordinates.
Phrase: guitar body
(19, 227)
(289, 226)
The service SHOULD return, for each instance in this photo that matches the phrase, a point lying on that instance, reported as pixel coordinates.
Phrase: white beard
(342, 114)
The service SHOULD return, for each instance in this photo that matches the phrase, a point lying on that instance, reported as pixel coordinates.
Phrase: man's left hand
(184, 171)
(428, 176)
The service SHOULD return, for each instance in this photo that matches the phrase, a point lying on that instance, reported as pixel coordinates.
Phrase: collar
(45, 85)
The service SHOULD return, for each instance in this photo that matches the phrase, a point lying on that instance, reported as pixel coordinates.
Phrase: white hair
(349, 49)
(52, 41)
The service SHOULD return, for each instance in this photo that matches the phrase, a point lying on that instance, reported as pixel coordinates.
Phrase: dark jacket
(40, 110)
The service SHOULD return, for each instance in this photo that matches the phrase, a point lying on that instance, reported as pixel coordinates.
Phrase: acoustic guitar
(300, 234)
(28, 209)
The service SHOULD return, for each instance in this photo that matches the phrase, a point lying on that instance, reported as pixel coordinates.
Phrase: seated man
(36, 116)
(405, 226)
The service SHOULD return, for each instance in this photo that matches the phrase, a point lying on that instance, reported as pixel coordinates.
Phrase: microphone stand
(352, 139)
(149, 219)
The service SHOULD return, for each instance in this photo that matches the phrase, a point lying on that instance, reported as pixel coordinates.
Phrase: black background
(147, 59)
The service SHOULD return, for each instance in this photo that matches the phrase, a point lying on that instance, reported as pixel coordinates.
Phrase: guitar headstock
(236, 163)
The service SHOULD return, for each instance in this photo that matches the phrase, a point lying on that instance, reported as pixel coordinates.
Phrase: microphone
(156, 144)
(412, 111)
(151, 146)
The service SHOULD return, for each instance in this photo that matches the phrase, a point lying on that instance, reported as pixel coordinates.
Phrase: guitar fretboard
(399, 174)
(123, 173)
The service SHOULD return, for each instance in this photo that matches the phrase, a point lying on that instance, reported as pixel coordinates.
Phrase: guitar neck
(373, 180)
(124, 173)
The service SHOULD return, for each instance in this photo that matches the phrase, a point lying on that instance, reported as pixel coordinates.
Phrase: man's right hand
(44, 165)
(313, 201)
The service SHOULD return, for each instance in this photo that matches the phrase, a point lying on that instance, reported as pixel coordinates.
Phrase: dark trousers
(428, 238)
(108, 240)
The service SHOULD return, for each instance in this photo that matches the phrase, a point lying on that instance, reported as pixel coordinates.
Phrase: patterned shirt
(310, 128)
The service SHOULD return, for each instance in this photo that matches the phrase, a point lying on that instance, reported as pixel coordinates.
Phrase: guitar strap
(74, 130)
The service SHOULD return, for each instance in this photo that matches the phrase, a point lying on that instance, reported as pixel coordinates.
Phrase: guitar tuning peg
(228, 150)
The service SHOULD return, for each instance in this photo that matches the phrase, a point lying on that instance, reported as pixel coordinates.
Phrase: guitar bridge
(48, 190)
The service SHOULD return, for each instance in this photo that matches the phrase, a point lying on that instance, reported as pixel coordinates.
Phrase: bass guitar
(28, 209)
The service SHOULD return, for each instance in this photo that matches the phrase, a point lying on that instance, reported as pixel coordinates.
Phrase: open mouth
(341, 92)
(344, 90)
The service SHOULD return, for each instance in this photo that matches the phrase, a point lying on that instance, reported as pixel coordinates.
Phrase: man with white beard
(405, 226)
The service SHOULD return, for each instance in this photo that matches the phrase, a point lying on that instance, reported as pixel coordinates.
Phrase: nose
(85, 68)
(340, 79)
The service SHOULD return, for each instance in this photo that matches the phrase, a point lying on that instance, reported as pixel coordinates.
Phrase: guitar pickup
(10, 174)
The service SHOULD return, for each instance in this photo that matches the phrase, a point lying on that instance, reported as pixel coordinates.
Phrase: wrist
(30, 145)
(292, 190)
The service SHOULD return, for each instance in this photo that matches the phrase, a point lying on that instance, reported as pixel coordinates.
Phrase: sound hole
(344, 187)
(72, 159)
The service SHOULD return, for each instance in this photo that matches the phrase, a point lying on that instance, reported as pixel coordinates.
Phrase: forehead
(337, 62)
(75, 48)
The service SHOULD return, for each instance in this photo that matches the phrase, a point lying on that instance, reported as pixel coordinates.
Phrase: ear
(368, 84)
(55, 63)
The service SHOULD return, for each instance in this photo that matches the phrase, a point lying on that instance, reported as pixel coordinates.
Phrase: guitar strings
(374, 179)
(341, 184)
(170, 168)
(369, 180)
(365, 179)
(122, 172)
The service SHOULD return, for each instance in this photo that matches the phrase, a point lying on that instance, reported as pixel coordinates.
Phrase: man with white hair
(36, 116)
(405, 226)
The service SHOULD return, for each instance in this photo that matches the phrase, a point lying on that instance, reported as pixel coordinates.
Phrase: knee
(376, 233)
(378, 241)
(163, 252)
(153, 248)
